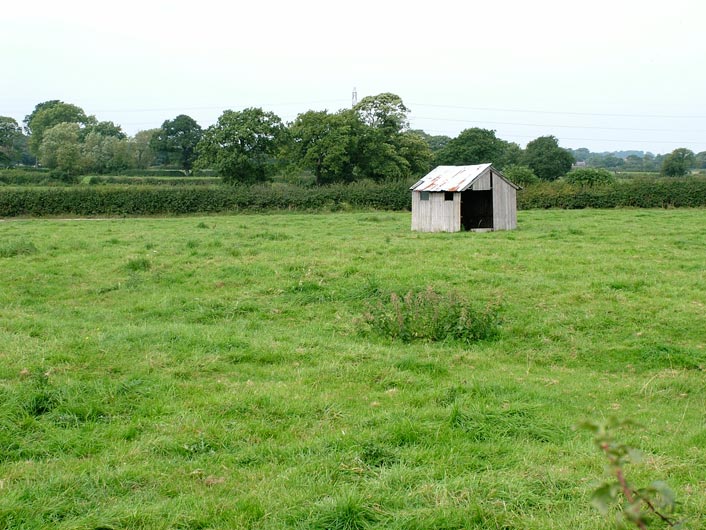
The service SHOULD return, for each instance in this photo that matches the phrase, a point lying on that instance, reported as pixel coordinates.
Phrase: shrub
(520, 175)
(589, 176)
(428, 315)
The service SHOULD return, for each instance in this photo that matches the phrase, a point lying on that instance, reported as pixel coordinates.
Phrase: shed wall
(483, 182)
(504, 205)
(436, 214)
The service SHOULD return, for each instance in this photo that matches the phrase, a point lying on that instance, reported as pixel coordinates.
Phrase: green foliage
(520, 175)
(150, 200)
(61, 149)
(326, 144)
(431, 316)
(11, 138)
(243, 146)
(662, 193)
(139, 265)
(177, 138)
(548, 161)
(367, 142)
(642, 507)
(678, 163)
(385, 111)
(104, 128)
(141, 148)
(49, 114)
(588, 176)
(472, 146)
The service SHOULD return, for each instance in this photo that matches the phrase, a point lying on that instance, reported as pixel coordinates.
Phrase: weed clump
(139, 265)
(431, 316)
(17, 248)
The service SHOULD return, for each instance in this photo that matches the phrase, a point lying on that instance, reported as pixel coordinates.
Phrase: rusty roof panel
(450, 178)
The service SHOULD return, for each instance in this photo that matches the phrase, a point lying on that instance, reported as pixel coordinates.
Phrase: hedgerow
(111, 199)
(175, 200)
(660, 193)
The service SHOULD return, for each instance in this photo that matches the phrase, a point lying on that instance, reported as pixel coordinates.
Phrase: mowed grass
(215, 372)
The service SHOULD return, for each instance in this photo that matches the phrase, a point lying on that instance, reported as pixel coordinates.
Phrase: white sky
(607, 75)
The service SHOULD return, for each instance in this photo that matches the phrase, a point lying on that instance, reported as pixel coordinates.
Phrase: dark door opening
(477, 209)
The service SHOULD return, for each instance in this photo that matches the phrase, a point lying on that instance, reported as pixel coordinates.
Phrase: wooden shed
(455, 198)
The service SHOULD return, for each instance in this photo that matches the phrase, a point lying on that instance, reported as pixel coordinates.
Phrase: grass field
(214, 372)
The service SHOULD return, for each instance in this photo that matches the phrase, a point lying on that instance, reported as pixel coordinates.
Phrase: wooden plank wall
(436, 214)
(504, 205)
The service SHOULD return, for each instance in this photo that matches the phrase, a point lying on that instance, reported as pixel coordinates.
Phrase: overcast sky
(607, 75)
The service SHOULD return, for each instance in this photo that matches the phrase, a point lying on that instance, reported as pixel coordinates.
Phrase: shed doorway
(477, 209)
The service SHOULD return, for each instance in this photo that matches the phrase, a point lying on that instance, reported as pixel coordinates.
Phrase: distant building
(580, 163)
(455, 198)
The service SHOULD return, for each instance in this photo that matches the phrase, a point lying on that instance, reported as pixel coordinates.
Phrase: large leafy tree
(678, 162)
(61, 148)
(385, 111)
(11, 140)
(548, 161)
(140, 148)
(48, 114)
(472, 146)
(178, 138)
(243, 146)
(326, 144)
(104, 153)
(386, 148)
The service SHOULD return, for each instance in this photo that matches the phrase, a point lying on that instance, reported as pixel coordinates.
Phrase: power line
(563, 113)
(550, 125)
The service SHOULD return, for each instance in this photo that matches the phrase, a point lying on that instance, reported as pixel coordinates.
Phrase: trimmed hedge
(661, 193)
(114, 200)
(173, 200)
(153, 181)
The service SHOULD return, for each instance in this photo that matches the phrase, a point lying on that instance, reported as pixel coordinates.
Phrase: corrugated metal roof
(450, 178)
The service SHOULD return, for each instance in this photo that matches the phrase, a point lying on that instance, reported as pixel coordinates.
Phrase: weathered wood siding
(504, 205)
(482, 183)
(436, 214)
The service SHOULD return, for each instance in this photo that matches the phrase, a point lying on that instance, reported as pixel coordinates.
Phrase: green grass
(215, 372)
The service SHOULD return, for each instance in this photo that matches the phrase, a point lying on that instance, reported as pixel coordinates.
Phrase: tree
(10, 141)
(512, 155)
(472, 146)
(142, 154)
(416, 151)
(435, 142)
(179, 137)
(678, 163)
(242, 146)
(104, 128)
(548, 161)
(48, 114)
(60, 148)
(700, 160)
(385, 111)
(520, 175)
(326, 144)
(104, 154)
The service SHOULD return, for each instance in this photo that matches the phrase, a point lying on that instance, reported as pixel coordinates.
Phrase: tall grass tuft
(432, 316)
(17, 248)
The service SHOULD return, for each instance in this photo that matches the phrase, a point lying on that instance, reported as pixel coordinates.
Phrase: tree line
(372, 140)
